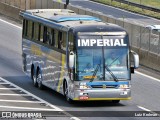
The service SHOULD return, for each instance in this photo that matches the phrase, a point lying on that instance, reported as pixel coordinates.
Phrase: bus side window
(32, 30)
(59, 40)
(41, 33)
(56, 38)
(63, 42)
(24, 27)
(70, 41)
(62, 37)
(45, 34)
(49, 36)
(53, 38)
(29, 30)
(36, 31)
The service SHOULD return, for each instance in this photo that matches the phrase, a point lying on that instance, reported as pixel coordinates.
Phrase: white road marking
(9, 89)
(28, 108)
(3, 83)
(11, 24)
(145, 109)
(58, 109)
(147, 76)
(54, 108)
(5, 94)
(22, 101)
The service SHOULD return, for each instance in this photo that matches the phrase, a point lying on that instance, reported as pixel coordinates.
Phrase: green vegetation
(153, 3)
(135, 9)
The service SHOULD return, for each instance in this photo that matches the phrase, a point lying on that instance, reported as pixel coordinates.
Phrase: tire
(66, 93)
(39, 80)
(115, 101)
(33, 77)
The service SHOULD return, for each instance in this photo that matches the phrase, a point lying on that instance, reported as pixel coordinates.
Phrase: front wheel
(66, 93)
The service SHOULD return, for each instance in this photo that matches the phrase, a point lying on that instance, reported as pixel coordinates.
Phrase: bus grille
(101, 86)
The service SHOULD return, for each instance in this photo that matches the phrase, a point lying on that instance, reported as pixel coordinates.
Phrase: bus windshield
(95, 59)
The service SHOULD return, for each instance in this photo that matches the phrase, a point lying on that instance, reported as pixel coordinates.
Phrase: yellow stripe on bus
(62, 73)
(105, 99)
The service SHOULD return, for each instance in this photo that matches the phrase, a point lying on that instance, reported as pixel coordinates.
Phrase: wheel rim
(34, 80)
(66, 91)
(39, 80)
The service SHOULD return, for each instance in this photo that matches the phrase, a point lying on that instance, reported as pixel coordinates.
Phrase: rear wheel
(39, 80)
(66, 94)
(33, 76)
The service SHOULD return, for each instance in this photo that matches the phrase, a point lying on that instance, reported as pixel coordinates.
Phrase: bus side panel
(51, 63)
(26, 55)
(54, 70)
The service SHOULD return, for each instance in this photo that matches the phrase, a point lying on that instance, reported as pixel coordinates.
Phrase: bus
(79, 56)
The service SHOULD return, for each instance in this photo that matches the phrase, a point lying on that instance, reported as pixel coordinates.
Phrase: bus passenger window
(41, 33)
(24, 27)
(32, 30)
(56, 38)
(59, 40)
(45, 35)
(53, 38)
(70, 40)
(49, 36)
(29, 30)
(36, 31)
(63, 43)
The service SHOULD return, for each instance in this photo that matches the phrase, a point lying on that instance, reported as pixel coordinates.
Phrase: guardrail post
(140, 38)
(149, 40)
(28, 3)
(33, 4)
(7, 1)
(23, 4)
(159, 44)
(17, 3)
(12, 2)
(50, 4)
(3, 1)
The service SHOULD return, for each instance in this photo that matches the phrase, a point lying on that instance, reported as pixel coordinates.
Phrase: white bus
(78, 56)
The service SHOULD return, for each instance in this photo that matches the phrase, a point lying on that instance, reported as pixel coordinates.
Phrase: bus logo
(104, 86)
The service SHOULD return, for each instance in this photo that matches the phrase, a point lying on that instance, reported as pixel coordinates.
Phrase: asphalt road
(114, 12)
(145, 90)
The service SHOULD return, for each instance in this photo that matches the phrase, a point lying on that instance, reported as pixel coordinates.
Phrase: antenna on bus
(67, 2)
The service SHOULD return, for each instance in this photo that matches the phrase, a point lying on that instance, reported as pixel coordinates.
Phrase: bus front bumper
(100, 94)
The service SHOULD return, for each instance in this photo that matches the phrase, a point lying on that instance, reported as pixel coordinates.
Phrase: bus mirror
(135, 59)
(71, 59)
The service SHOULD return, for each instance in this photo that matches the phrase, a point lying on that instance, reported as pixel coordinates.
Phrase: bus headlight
(82, 86)
(124, 86)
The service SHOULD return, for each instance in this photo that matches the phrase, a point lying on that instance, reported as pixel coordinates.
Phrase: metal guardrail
(138, 5)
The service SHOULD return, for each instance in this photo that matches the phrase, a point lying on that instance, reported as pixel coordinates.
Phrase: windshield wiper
(114, 77)
(95, 72)
(113, 61)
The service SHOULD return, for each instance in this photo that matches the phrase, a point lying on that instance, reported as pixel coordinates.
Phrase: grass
(135, 9)
(153, 3)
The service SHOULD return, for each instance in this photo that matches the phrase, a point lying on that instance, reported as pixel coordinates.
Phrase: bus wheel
(66, 93)
(39, 80)
(33, 76)
(115, 101)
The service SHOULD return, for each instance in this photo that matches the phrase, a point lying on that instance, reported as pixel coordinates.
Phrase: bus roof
(64, 19)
